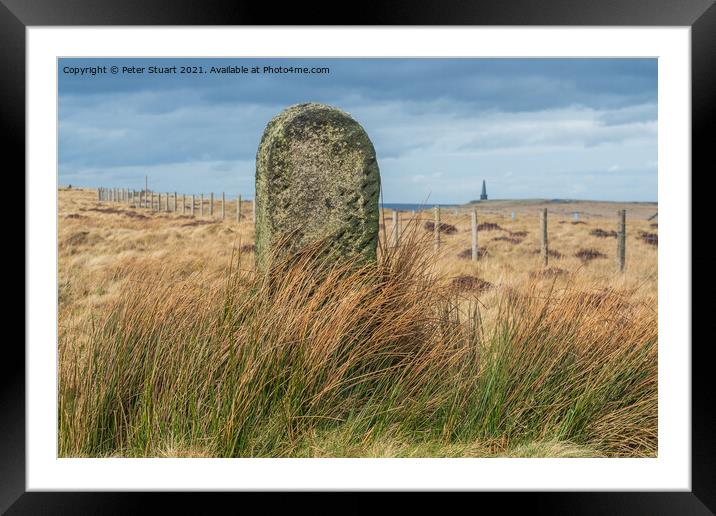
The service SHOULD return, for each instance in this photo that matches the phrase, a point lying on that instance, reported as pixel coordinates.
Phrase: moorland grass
(325, 358)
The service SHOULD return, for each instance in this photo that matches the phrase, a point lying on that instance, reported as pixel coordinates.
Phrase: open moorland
(171, 344)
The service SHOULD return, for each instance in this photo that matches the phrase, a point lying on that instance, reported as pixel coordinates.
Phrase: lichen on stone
(317, 178)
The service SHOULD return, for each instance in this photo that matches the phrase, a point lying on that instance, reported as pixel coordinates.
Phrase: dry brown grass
(391, 362)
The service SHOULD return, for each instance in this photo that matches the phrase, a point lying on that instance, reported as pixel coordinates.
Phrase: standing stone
(317, 177)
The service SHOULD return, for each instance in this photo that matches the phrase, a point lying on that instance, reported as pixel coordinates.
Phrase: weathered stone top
(317, 177)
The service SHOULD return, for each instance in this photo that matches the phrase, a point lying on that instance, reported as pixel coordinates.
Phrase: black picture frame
(700, 15)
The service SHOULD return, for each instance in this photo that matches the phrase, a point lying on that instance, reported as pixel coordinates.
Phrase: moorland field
(172, 344)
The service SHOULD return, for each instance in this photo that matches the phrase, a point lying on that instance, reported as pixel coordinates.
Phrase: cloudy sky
(532, 128)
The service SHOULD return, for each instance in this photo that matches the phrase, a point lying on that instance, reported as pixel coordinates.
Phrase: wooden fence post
(621, 239)
(223, 206)
(211, 205)
(201, 206)
(544, 247)
(192, 204)
(394, 233)
(473, 223)
(436, 229)
(183, 204)
(152, 201)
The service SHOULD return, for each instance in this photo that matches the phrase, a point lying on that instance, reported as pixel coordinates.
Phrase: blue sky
(532, 128)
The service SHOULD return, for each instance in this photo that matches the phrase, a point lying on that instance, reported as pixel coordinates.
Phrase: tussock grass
(325, 358)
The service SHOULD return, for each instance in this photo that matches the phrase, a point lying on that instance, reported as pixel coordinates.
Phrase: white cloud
(440, 149)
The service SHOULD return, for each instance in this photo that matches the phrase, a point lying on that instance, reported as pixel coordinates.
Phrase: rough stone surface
(317, 177)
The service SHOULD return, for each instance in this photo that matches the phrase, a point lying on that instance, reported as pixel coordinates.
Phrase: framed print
(420, 252)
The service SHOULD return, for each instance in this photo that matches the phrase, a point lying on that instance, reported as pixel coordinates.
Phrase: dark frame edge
(12, 367)
(703, 122)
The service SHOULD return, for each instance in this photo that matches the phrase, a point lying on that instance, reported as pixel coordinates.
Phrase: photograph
(357, 257)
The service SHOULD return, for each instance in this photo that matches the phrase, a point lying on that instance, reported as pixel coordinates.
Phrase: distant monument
(317, 177)
(483, 195)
